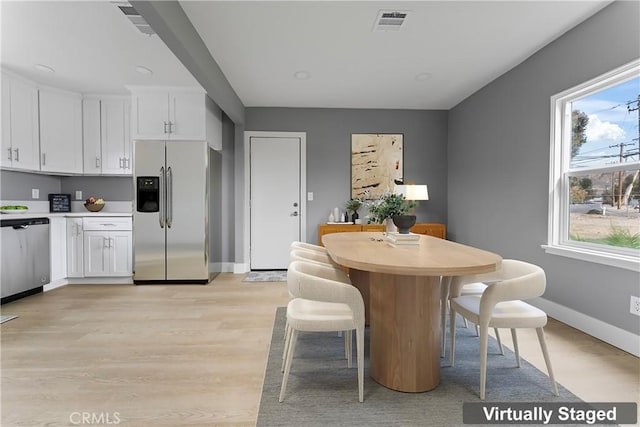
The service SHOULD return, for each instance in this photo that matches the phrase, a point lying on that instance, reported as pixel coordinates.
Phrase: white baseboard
(610, 334)
(239, 268)
(222, 267)
(55, 284)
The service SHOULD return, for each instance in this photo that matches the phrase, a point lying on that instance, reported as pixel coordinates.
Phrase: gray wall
(498, 162)
(228, 193)
(215, 206)
(18, 185)
(329, 152)
(110, 188)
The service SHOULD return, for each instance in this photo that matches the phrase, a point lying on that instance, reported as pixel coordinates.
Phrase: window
(594, 189)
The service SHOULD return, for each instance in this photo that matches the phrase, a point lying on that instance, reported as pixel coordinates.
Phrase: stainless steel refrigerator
(171, 206)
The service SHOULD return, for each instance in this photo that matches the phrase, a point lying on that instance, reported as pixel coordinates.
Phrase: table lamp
(410, 192)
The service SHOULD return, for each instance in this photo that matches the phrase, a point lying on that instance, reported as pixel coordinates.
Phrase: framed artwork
(376, 163)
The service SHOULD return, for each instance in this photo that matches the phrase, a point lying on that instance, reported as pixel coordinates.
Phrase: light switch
(35, 193)
(310, 196)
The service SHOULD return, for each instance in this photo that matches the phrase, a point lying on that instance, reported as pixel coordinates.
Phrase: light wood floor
(191, 355)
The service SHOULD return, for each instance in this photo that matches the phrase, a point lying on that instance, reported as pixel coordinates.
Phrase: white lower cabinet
(107, 253)
(108, 247)
(75, 248)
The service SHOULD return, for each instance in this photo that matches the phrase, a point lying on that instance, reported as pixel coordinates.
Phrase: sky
(610, 124)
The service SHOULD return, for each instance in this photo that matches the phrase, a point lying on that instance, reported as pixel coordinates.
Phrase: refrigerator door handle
(169, 197)
(162, 198)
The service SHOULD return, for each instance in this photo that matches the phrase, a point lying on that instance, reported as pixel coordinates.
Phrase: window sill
(614, 260)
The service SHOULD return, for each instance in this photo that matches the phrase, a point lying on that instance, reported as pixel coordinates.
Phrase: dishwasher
(24, 260)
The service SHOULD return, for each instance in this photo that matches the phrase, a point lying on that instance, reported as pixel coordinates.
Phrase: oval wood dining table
(401, 291)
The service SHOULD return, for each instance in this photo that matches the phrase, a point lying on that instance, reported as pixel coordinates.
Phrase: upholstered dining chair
(454, 287)
(319, 259)
(309, 247)
(501, 306)
(322, 303)
(297, 254)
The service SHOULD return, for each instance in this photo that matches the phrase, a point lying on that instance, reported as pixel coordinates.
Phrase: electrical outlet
(310, 196)
(35, 193)
(635, 305)
(78, 195)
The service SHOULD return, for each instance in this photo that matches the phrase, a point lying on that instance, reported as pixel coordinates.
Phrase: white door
(96, 253)
(75, 248)
(274, 200)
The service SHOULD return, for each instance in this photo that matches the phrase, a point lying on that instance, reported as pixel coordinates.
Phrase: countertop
(34, 214)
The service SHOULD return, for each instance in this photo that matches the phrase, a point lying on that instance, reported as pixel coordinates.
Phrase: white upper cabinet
(168, 114)
(106, 135)
(116, 136)
(91, 138)
(20, 144)
(60, 132)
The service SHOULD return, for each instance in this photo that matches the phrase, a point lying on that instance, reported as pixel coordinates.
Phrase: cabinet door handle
(126, 163)
(170, 127)
(10, 154)
(44, 159)
(17, 158)
(165, 127)
(120, 162)
(97, 162)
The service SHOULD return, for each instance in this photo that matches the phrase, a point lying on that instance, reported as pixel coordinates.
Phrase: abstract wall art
(376, 163)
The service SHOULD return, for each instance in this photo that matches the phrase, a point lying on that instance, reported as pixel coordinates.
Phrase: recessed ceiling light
(302, 75)
(144, 70)
(44, 68)
(423, 76)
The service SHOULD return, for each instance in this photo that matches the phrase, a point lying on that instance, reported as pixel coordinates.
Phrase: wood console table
(428, 228)
(405, 300)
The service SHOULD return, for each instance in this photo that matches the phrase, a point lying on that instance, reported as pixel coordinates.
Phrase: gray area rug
(266, 276)
(6, 318)
(323, 392)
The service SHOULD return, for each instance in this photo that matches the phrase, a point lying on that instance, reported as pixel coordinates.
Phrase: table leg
(405, 331)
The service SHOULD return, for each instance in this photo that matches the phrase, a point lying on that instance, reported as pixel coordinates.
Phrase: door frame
(302, 136)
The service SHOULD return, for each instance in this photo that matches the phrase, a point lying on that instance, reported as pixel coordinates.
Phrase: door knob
(295, 213)
(295, 205)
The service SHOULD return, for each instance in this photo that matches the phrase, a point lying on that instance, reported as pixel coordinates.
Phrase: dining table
(401, 289)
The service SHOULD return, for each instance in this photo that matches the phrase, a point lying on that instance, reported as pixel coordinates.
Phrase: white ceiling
(91, 45)
(260, 45)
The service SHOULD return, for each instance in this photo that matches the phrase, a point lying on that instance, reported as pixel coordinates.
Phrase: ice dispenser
(148, 193)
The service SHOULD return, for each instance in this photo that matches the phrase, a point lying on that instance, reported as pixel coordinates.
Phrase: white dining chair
(460, 286)
(298, 254)
(322, 303)
(319, 259)
(501, 306)
(309, 247)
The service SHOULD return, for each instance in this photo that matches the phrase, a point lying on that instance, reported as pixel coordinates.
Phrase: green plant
(387, 206)
(623, 237)
(354, 204)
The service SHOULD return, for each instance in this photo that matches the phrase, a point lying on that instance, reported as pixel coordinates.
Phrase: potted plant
(391, 206)
(352, 206)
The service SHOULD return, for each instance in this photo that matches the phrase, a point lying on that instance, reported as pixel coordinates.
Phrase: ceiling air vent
(390, 20)
(134, 17)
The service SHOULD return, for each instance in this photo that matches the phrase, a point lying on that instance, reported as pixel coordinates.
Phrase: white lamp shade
(413, 192)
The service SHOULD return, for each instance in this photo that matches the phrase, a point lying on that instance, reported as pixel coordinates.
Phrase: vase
(354, 217)
(390, 226)
(404, 222)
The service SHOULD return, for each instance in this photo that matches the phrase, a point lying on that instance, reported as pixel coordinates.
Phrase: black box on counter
(59, 202)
